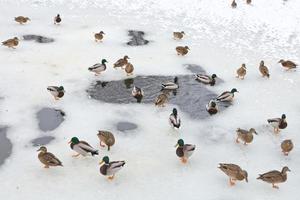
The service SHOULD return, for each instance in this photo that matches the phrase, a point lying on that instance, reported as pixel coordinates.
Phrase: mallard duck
(233, 4)
(227, 96)
(287, 146)
(182, 50)
(170, 85)
(248, 1)
(99, 36)
(21, 19)
(245, 136)
(211, 80)
(11, 43)
(184, 151)
(121, 62)
(129, 69)
(161, 99)
(275, 176)
(47, 158)
(278, 123)
(178, 35)
(288, 64)
(241, 72)
(110, 168)
(98, 67)
(234, 172)
(137, 92)
(174, 119)
(57, 19)
(212, 107)
(107, 138)
(263, 69)
(57, 92)
(82, 147)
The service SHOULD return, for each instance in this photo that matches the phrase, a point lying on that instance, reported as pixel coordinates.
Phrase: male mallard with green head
(244, 135)
(11, 43)
(22, 19)
(234, 172)
(227, 96)
(57, 19)
(129, 69)
(110, 168)
(275, 177)
(57, 92)
(241, 72)
(82, 147)
(170, 85)
(98, 67)
(278, 123)
(287, 146)
(178, 35)
(288, 64)
(99, 36)
(47, 158)
(263, 69)
(107, 138)
(206, 79)
(182, 50)
(174, 119)
(212, 107)
(184, 151)
(121, 62)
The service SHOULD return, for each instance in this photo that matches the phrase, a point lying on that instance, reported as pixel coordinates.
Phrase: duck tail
(260, 177)
(108, 147)
(95, 153)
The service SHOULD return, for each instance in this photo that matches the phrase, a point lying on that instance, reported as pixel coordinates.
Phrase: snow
(220, 39)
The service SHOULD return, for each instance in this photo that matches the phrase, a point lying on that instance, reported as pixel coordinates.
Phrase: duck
(129, 69)
(56, 91)
(227, 96)
(170, 85)
(249, 1)
(174, 119)
(212, 107)
(184, 151)
(286, 147)
(99, 36)
(234, 172)
(233, 4)
(178, 35)
(82, 147)
(203, 78)
(110, 168)
(288, 64)
(47, 158)
(278, 123)
(98, 67)
(275, 177)
(107, 138)
(263, 69)
(245, 136)
(22, 19)
(57, 19)
(241, 72)
(182, 50)
(11, 43)
(161, 99)
(137, 92)
(121, 62)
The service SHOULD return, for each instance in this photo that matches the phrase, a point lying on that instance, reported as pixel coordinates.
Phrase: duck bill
(100, 163)
(176, 146)
(69, 142)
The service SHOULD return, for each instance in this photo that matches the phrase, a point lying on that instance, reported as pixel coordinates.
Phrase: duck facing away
(98, 67)
(57, 19)
(263, 69)
(82, 147)
(287, 146)
(182, 51)
(178, 35)
(234, 172)
(184, 151)
(137, 93)
(11, 43)
(161, 99)
(99, 36)
(22, 20)
(110, 168)
(227, 96)
(57, 92)
(107, 138)
(170, 85)
(47, 158)
(121, 62)
(211, 80)
(212, 107)
(129, 69)
(233, 4)
(245, 136)
(288, 64)
(278, 123)
(275, 177)
(249, 1)
(241, 72)
(174, 119)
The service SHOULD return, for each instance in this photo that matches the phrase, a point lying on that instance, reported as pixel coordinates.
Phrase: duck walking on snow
(110, 168)
(263, 69)
(287, 146)
(178, 35)
(82, 147)
(98, 67)
(57, 19)
(11, 43)
(244, 135)
(182, 51)
(184, 151)
(211, 80)
(174, 119)
(241, 72)
(227, 96)
(288, 64)
(99, 36)
(234, 172)
(275, 177)
(47, 158)
(22, 20)
(121, 62)
(107, 138)
(278, 123)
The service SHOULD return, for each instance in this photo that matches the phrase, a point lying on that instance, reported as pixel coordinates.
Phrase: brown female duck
(263, 69)
(182, 50)
(22, 20)
(47, 158)
(275, 176)
(288, 64)
(11, 43)
(245, 136)
(107, 138)
(121, 62)
(287, 146)
(234, 172)
(241, 72)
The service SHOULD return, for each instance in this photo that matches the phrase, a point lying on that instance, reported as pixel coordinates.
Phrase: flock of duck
(183, 151)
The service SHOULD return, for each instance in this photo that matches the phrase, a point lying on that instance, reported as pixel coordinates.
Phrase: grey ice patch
(38, 38)
(50, 118)
(44, 140)
(126, 126)
(5, 145)
(137, 38)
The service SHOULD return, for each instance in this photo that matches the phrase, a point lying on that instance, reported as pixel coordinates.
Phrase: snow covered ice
(220, 39)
